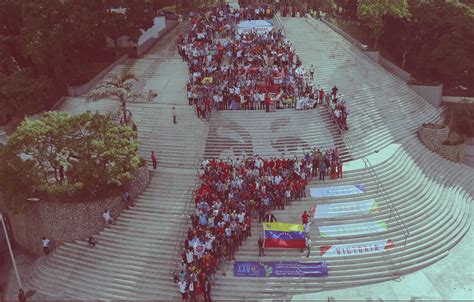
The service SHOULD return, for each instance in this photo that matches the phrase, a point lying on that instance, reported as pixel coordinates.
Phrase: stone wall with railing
(66, 222)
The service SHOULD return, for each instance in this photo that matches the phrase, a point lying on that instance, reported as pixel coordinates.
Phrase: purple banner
(280, 269)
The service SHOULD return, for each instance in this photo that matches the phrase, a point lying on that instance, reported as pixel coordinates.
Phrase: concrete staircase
(288, 132)
(431, 195)
(133, 258)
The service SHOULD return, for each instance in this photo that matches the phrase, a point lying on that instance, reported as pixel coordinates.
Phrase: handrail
(387, 199)
(382, 192)
(393, 212)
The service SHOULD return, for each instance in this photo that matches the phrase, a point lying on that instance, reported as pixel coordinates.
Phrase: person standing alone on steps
(174, 115)
(45, 246)
(308, 245)
(154, 159)
(261, 249)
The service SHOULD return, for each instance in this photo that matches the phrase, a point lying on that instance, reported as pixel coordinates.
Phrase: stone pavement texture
(432, 196)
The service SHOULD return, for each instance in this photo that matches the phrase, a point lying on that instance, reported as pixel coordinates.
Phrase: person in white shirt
(45, 246)
(182, 289)
(107, 217)
(277, 180)
(308, 246)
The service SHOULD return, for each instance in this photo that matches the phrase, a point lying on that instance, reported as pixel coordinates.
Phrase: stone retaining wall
(433, 139)
(67, 222)
(454, 153)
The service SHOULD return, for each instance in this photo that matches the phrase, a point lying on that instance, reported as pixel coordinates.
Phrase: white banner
(322, 192)
(342, 209)
(369, 247)
(352, 229)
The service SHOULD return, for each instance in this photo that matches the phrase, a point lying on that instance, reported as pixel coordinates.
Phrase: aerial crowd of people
(232, 69)
(245, 70)
(233, 193)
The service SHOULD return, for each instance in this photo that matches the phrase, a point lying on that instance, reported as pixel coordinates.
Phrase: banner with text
(322, 192)
(280, 269)
(362, 248)
(342, 209)
(352, 229)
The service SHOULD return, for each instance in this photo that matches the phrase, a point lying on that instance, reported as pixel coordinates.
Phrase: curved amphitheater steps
(384, 109)
(133, 258)
(431, 195)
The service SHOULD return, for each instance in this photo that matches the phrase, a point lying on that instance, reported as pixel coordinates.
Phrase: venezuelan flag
(284, 235)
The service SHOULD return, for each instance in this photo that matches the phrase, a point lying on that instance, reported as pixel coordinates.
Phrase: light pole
(10, 250)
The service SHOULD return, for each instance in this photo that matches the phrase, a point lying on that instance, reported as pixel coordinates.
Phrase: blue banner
(280, 269)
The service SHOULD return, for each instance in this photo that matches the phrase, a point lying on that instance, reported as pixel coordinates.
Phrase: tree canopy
(60, 42)
(375, 12)
(67, 158)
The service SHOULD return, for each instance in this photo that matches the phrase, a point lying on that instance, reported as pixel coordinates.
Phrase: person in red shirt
(267, 103)
(305, 217)
(154, 159)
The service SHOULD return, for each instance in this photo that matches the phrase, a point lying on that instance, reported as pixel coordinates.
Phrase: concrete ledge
(374, 55)
(433, 94)
(142, 49)
(67, 222)
(395, 69)
(344, 34)
(79, 90)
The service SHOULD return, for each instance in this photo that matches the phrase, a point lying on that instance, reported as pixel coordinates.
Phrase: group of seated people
(235, 192)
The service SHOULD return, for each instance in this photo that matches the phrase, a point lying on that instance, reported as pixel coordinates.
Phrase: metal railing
(388, 201)
(381, 191)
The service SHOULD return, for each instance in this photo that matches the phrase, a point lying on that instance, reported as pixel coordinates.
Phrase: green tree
(120, 87)
(70, 157)
(374, 14)
(43, 37)
(15, 179)
(22, 93)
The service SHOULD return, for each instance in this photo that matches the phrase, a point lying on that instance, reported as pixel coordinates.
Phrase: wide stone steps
(430, 240)
(432, 196)
(288, 132)
(133, 258)
(373, 99)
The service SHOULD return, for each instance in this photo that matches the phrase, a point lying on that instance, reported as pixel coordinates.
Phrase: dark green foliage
(60, 42)
(96, 155)
(460, 118)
